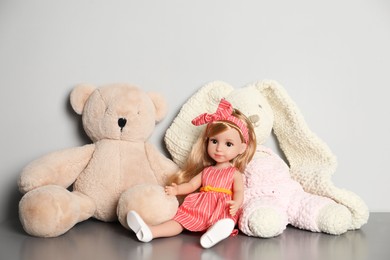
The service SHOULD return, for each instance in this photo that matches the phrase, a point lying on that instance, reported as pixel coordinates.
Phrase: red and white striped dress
(201, 210)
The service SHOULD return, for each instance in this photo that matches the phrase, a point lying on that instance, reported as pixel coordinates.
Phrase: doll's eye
(229, 144)
(214, 141)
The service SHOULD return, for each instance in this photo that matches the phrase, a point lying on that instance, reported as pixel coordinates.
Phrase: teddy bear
(118, 172)
(294, 188)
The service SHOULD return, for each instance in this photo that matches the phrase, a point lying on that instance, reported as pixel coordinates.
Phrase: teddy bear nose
(122, 122)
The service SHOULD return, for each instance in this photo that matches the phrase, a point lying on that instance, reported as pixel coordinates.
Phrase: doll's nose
(122, 122)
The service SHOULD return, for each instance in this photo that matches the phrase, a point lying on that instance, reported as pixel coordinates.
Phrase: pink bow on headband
(224, 112)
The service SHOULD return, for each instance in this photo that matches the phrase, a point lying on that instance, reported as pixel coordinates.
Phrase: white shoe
(139, 227)
(218, 232)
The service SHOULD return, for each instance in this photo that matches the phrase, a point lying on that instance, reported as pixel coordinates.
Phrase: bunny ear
(311, 161)
(300, 145)
(181, 135)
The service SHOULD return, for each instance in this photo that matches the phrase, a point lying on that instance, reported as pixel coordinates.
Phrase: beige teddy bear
(118, 172)
(299, 193)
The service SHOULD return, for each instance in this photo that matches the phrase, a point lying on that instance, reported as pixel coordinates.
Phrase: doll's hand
(171, 190)
(233, 208)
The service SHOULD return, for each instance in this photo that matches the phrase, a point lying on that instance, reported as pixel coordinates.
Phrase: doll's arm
(162, 167)
(238, 194)
(185, 188)
(60, 168)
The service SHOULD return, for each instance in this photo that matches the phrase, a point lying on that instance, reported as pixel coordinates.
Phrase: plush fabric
(299, 191)
(120, 171)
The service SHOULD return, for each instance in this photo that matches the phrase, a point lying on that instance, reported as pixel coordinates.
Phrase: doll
(214, 169)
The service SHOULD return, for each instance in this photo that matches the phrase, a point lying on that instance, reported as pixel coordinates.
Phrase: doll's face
(225, 146)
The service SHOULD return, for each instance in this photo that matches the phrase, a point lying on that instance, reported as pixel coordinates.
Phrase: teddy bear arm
(60, 168)
(162, 167)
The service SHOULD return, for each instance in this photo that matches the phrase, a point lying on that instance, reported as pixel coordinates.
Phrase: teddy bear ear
(79, 96)
(160, 105)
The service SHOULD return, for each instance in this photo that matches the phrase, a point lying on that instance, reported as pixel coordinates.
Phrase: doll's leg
(218, 232)
(169, 228)
(146, 233)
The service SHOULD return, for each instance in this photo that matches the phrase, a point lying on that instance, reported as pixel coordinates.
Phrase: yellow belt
(209, 188)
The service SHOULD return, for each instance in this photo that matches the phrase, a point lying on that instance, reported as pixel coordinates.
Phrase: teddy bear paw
(50, 211)
(334, 219)
(149, 201)
(266, 222)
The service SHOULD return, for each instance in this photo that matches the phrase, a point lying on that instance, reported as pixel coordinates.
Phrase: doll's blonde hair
(199, 159)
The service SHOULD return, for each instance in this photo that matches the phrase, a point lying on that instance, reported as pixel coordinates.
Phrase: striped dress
(201, 210)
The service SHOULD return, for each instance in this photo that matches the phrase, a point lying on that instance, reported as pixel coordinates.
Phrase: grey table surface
(96, 240)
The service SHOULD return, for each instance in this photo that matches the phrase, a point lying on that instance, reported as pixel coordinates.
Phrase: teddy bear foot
(50, 211)
(266, 223)
(149, 201)
(334, 219)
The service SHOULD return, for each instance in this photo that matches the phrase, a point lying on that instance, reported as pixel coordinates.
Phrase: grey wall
(332, 57)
